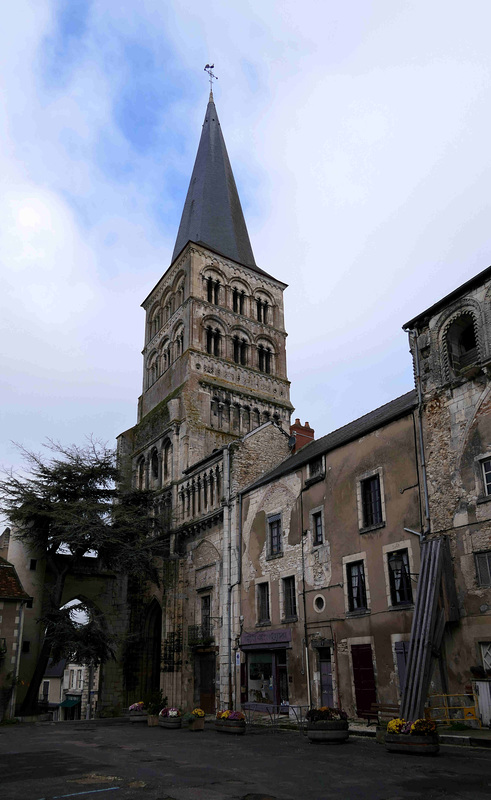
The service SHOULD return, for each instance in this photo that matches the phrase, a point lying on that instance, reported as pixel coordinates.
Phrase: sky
(358, 132)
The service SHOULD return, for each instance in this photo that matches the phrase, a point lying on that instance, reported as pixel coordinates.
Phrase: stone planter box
(329, 731)
(172, 723)
(138, 716)
(236, 726)
(417, 745)
(197, 724)
(152, 720)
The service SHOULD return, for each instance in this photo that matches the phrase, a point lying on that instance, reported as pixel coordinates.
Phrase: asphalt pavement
(93, 761)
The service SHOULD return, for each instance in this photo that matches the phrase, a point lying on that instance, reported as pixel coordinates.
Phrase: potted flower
(153, 703)
(138, 712)
(230, 722)
(328, 725)
(170, 718)
(197, 720)
(418, 737)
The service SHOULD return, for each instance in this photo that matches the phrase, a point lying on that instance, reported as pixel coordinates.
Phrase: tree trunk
(29, 704)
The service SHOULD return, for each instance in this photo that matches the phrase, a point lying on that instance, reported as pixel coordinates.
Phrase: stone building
(13, 600)
(213, 415)
(451, 347)
(366, 572)
(328, 572)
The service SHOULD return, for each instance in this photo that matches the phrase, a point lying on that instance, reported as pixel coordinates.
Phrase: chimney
(303, 434)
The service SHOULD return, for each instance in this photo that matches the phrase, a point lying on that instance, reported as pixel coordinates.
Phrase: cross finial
(213, 77)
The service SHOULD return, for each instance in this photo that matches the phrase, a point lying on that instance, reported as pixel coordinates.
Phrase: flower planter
(236, 726)
(330, 731)
(138, 716)
(172, 723)
(152, 720)
(197, 724)
(408, 743)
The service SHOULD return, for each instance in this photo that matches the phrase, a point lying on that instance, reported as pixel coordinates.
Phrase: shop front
(264, 675)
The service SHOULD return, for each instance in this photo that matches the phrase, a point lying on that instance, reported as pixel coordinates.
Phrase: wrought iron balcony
(201, 635)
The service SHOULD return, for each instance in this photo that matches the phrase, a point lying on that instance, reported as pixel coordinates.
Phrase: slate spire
(212, 212)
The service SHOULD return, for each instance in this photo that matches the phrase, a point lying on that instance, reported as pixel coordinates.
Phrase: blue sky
(358, 133)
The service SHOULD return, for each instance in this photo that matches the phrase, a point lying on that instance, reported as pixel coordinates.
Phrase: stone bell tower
(214, 360)
(214, 375)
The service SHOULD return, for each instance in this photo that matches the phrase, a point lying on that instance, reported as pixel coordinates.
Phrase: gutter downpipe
(412, 334)
(231, 586)
(305, 634)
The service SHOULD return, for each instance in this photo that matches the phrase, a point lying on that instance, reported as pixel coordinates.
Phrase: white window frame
(349, 560)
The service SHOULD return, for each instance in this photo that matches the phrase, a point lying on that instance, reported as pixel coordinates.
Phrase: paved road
(95, 762)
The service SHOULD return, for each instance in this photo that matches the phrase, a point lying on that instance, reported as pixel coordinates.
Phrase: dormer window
(462, 344)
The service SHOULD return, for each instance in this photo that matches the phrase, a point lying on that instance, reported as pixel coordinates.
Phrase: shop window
(263, 613)
(274, 525)
(357, 593)
(399, 578)
(483, 568)
(289, 598)
(371, 500)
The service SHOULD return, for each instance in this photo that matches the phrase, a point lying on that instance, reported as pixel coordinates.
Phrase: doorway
(363, 677)
(204, 681)
(325, 664)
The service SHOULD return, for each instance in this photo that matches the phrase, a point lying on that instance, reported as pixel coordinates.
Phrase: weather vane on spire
(213, 77)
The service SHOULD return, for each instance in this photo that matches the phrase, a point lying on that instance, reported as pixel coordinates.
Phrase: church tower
(214, 378)
(214, 360)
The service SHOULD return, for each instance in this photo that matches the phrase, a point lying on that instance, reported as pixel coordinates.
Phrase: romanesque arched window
(213, 290)
(167, 461)
(213, 340)
(240, 346)
(154, 468)
(238, 300)
(140, 474)
(264, 359)
(153, 368)
(462, 343)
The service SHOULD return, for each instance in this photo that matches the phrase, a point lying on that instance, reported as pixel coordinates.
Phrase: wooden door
(327, 698)
(207, 670)
(364, 677)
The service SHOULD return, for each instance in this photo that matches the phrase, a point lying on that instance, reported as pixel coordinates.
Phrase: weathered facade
(328, 575)
(451, 347)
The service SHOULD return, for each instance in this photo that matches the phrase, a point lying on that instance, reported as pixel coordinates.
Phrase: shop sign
(266, 638)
